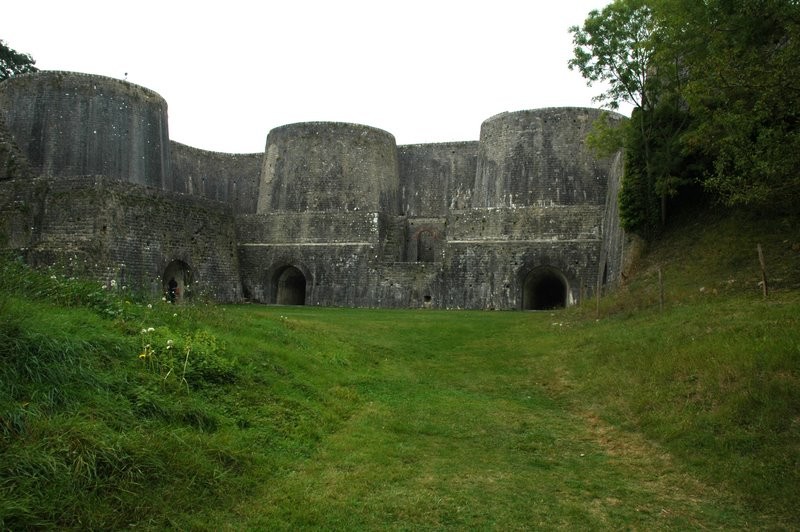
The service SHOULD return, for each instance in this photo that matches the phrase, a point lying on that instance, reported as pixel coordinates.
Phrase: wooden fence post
(597, 293)
(763, 271)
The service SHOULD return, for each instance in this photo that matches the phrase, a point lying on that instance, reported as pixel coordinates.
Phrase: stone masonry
(329, 214)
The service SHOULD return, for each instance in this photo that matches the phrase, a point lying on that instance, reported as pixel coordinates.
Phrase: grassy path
(470, 420)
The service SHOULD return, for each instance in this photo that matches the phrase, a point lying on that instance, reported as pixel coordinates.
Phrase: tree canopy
(714, 85)
(13, 62)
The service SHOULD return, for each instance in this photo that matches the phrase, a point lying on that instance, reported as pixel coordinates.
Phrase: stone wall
(329, 166)
(616, 243)
(13, 163)
(231, 178)
(555, 223)
(331, 214)
(308, 228)
(539, 157)
(492, 275)
(103, 228)
(436, 178)
(334, 274)
(69, 124)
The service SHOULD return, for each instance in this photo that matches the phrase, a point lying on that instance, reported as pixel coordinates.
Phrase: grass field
(116, 414)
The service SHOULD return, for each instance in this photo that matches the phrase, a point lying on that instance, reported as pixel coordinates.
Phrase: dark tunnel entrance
(544, 289)
(176, 281)
(290, 287)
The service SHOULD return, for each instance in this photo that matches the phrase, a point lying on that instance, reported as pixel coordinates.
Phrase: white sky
(423, 70)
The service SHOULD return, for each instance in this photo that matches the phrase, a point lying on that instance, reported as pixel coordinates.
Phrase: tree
(617, 46)
(714, 85)
(13, 62)
(742, 72)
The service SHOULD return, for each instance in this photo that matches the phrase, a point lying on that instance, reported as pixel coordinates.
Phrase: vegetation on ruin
(117, 411)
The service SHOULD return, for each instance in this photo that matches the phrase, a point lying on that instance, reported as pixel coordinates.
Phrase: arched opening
(290, 287)
(177, 281)
(426, 250)
(544, 289)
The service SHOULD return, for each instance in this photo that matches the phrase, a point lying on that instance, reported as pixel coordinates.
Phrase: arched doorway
(544, 289)
(177, 281)
(289, 287)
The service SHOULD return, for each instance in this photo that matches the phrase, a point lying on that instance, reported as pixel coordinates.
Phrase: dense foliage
(13, 62)
(714, 90)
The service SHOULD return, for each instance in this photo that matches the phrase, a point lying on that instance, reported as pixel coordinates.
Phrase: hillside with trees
(716, 104)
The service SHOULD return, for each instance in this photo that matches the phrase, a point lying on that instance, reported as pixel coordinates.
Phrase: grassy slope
(342, 418)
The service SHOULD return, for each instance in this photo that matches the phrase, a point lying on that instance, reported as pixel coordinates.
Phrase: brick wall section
(308, 228)
(109, 230)
(231, 178)
(69, 124)
(561, 222)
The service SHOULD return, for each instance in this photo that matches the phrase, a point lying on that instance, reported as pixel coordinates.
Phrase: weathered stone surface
(539, 157)
(330, 214)
(70, 124)
(436, 178)
(329, 166)
(231, 178)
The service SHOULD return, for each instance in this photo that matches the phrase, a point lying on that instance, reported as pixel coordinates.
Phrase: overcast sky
(423, 70)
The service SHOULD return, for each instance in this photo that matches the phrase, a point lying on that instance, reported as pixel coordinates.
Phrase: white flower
(149, 305)
(150, 329)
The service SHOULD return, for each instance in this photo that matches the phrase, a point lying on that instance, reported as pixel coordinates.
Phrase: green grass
(297, 417)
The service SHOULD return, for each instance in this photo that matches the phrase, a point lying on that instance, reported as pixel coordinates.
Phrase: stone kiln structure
(329, 214)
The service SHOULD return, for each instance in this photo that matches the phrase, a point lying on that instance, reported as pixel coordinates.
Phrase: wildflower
(113, 283)
(147, 351)
(175, 315)
(144, 331)
(150, 329)
(149, 305)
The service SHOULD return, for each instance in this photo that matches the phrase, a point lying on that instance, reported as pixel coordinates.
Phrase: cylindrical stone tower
(329, 166)
(70, 124)
(539, 157)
